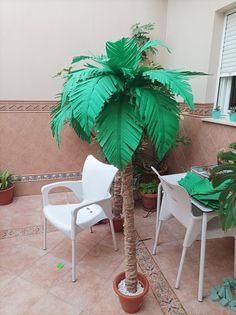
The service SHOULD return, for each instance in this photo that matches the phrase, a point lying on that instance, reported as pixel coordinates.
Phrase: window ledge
(220, 121)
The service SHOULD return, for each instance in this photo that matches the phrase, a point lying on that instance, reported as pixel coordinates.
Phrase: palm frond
(175, 80)
(161, 116)
(149, 44)
(118, 131)
(123, 53)
(88, 97)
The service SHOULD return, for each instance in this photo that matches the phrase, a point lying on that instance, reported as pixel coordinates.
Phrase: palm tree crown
(120, 99)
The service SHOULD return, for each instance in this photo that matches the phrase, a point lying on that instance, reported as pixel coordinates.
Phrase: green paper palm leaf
(174, 80)
(161, 115)
(123, 53)
(119, 131)
(151, 44)
(89, 96)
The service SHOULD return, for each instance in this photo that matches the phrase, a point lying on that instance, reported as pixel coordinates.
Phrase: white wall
(193, 31)
(39, 37)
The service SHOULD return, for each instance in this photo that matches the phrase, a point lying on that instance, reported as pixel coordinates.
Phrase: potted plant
(6, 188)
(148, 193)
(225, 175)
(216, 112)
(119, 99)
(232, 114)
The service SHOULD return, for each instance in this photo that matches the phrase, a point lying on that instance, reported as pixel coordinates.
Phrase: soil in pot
(6, 195)
(131, 304)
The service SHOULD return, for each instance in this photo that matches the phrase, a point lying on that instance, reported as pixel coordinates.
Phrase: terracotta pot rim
(148, 195)
(131, 297)
(9, 188)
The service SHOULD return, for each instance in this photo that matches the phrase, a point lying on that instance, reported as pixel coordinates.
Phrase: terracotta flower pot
(131, 304)
(6, 195)
(149, 201)
(118, 224)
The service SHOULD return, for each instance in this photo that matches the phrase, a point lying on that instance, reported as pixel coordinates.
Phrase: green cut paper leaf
(118, 132)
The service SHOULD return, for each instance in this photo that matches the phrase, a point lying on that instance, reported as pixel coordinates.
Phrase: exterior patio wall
(206, 140)
(29, 151)
(39, 38)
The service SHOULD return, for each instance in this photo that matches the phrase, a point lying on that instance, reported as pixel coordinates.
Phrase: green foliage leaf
(123, 53)
(79, 58)
(161, 115)
(153, 43)
(89, 96)
(225, 174)
(5, 180)
(175, 80)
(119, 131)
(233, 145)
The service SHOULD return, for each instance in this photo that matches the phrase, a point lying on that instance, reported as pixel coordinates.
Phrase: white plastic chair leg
(45, 233)
(202, 258)
(235, 258)
(154, 251)
(73, 261)
(113, 235)
(181, 264)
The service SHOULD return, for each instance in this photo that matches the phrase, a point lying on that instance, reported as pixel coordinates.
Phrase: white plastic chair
(95, 204)
(177, 202)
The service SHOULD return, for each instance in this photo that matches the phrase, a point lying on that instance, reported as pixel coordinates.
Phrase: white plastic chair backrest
(97, 178)
(177, 200)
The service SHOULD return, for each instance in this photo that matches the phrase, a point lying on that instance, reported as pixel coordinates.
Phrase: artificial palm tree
(119, 99)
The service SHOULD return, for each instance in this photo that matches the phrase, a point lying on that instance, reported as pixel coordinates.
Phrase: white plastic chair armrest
(75, 186)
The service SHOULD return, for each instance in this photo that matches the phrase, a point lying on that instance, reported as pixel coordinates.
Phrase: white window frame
(222, 96)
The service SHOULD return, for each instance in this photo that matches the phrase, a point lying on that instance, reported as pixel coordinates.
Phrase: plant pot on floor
(149, 201)
(6, 195)
(118, 224)
(131, 304)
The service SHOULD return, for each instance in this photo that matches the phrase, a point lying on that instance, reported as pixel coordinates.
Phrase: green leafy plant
(217, 108)
(5, 180)
(148, 188)
(119, 99)
(225, 174)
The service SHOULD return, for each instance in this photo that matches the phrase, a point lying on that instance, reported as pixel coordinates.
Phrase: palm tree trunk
(117, 196)
(129, 231)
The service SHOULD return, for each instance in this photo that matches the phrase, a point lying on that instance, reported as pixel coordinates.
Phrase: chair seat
(60, 216)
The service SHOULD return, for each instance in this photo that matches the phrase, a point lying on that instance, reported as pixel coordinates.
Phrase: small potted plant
(148, 193)
(232, 114)
(6, 188)
(216, 112)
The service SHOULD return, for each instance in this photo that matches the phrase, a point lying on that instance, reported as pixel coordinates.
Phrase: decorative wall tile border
(49, 176)
(169, 302)
(29, 230)
(200, 110)
(27, 106)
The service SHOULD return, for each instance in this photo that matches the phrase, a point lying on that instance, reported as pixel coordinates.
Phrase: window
(226, 96)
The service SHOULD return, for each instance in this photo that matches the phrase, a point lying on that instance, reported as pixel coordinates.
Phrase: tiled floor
(30, 283)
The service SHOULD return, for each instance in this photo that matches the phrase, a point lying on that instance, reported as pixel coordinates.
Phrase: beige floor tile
(19, 257)
(5, 277)
(50, 305)
(82, 292)
(18, 296)
(44, 271)
(63, 250)
(102, 260)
